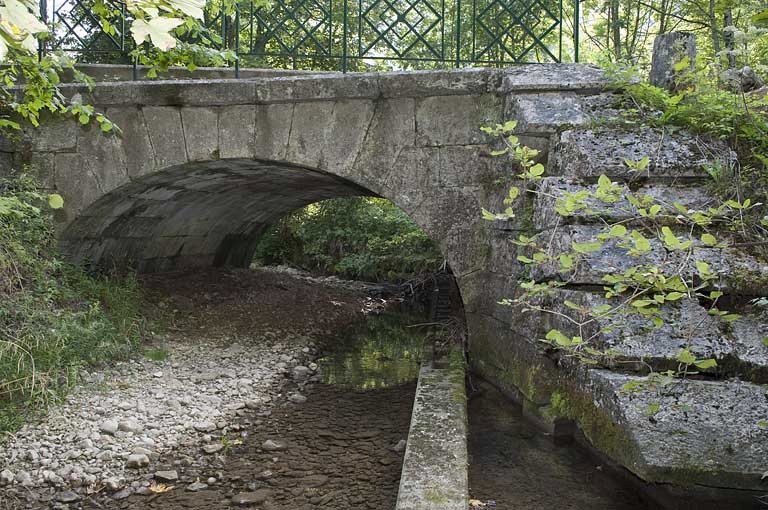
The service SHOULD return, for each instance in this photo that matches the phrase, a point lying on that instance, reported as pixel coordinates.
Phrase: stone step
(709, 433)
(673, 156)
(736, 345)
(737, 272)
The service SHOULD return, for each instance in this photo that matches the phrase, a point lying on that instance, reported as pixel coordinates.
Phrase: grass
(54, 318)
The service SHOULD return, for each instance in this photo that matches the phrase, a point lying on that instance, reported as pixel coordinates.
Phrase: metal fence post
(576, 21)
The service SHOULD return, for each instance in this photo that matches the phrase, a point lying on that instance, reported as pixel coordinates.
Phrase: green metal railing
(348, 35)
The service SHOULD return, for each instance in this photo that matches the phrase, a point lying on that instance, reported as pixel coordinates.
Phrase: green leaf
(706, 363)
(618, 230)
(708, 239)
(488, 215)
(652, 409)
(499, 152)
(571, 305)
(559, 338)
(686, 357)
(524, 259)
(674, 296)
(537, 170)
(765, 341)
(586, 247)
(55, 201)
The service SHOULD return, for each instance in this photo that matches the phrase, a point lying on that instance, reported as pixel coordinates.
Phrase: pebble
(68, 497)
(108, 427)
(251, 498)
(204, 426)
(271, 446)
(297, 398)
(196, 486)
(167, 476)
(400, 446)
(213, 448)
(131, 426)
(7, 476)
(137, 460)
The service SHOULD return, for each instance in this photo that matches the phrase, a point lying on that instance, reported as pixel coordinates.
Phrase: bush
(360, 237)
(54, 319)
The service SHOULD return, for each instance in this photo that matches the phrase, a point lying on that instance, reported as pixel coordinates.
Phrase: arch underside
(196, 214)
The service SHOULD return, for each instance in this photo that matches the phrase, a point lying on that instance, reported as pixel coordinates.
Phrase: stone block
(236, 130)
(201, 133)
(442, 120)
(470, 165)
(434, 474)
(78, 186)
(556, 77)
(55, 135)
(315, 87)
(704, 432)
(546, 113)
(391, 130)
(140, 157)
(551, 190)
(737, 272)
(438, 83)
(166, 135)
(273, 128)
(591, 152)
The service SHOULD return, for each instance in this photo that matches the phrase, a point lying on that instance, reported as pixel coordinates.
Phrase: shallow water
(381, 352)
(517, 466)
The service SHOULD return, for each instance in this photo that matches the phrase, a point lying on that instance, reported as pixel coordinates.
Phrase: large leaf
(193, 8)
(158, 30)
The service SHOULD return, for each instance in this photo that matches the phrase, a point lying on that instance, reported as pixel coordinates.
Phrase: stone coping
(315, 86)
(434, 475)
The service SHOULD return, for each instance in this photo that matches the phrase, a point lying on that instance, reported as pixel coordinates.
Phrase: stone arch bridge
(203, 167)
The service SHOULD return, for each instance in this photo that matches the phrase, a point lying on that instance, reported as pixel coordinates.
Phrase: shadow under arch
(199, 214)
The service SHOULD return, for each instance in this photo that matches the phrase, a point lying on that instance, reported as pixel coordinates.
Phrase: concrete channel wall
(434, 475)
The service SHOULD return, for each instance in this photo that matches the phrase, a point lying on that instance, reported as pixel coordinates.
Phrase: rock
(122, 494)
(104, 456)
(669, 49)
(112, 484)
(314, 481)
(131, 426)
(204, 426)
(271, 446)
(297, 398)
(108, 427)
(400, 446)
(157, 374)
(251, 498)
(196, 486)
(213, 448)
(23, 478)
(167, 476)
(300, 373)
(211, 480)
(68, 497)
(137, 460)
(742, 80)
(7, 476)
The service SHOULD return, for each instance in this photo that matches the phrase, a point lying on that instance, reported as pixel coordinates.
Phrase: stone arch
(212, 213)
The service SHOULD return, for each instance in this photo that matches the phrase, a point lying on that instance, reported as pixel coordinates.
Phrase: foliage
(362, 238)
(54, 319)
(703, 107)
(166, 32)
(728, 34)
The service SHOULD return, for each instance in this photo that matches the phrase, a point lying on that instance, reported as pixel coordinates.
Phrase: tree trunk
(728, 37)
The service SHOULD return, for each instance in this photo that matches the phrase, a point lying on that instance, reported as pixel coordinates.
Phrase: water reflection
(380, 352)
